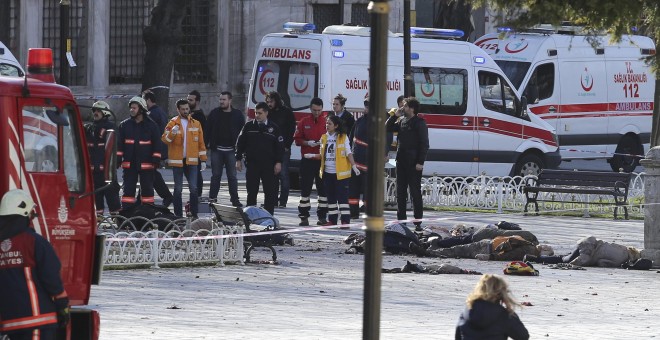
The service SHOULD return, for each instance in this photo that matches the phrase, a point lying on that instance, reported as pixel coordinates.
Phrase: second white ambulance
(596, 94)
(477, 123)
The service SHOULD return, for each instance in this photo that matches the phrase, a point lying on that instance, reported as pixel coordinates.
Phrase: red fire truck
(43, 150)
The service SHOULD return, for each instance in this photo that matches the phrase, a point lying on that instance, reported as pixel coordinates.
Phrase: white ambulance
(477, 123)
(9, 66)
(596, 94)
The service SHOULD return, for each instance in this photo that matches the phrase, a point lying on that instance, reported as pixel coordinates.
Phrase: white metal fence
(139, 241)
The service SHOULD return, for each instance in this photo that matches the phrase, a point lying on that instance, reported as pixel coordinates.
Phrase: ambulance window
(40, 140)
(297, 83)
(440, 90)
(267, 78)
(496, 94)
(514, 70)
(72, 142)
(10, 70)
(541, 84)
(301, 87)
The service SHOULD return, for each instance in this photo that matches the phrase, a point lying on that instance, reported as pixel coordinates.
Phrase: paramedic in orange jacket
(185, 140)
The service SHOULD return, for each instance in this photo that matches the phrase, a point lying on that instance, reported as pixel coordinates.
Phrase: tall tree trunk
(162, 38)
(455, 14)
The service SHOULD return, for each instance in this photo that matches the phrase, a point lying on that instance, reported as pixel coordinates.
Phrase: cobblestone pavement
(315, 292)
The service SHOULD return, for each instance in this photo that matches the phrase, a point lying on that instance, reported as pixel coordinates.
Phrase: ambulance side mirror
(523, 108)
(110, 166)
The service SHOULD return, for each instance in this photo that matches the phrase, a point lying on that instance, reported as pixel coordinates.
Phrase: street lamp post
(65, 42)
(375, 223)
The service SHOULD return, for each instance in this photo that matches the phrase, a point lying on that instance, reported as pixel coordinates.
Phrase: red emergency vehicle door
(54, 169)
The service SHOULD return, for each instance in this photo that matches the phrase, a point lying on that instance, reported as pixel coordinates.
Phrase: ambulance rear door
(289, 66)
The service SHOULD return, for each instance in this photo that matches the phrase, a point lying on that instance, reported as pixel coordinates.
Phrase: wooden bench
(230, 215)
(579, 182)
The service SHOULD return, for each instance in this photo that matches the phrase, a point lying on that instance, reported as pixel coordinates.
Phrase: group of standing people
(333, 148)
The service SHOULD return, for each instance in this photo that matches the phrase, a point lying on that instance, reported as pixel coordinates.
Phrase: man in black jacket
(158, 115)
(261, 142)
(413, 144)
(196, 112)
(225, 123)
(283, 117)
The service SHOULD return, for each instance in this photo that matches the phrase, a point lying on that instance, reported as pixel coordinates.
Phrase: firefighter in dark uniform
(262, 144)
(412, 147)
(33, 301)
(138, 153)
(96, 138)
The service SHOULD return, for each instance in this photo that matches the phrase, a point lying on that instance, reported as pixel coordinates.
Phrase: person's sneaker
(304, 222)
(530, 258)
(418, 227)
(282, 206)
(213, 200)
(238, 204)
(322, 222)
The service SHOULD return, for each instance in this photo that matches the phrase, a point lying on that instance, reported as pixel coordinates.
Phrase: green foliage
(616, 17)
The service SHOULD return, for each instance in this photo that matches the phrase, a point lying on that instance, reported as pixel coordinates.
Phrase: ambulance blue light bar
(336, 42)
(479, 60)
(504, 29)
(414, 56)
(436, 32)
(299, 27)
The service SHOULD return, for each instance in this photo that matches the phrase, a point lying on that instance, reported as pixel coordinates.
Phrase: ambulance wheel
(528, 164)
(624, 155)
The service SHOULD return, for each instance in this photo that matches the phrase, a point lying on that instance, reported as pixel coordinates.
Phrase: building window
(77, 33)
(127, 48)
(9, 14)
(324, 16)
(196, 57)
(360, 15)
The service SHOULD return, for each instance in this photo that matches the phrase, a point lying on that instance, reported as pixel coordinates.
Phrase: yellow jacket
(342, 164)
(195, 150)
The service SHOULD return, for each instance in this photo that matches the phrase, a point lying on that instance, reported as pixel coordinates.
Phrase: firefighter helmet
(103, 106)
(17, 202)
(140, 101)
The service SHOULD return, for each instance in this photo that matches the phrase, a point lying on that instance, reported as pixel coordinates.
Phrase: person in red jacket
(307, 137)
(33, 302)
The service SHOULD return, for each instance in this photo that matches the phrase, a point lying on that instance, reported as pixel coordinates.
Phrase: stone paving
(315, 292)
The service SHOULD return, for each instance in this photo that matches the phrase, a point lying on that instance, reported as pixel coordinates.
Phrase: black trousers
(356, 189)
(160, 187)
(265, 174)
(309, 175)
(408, 178)
(110, 194)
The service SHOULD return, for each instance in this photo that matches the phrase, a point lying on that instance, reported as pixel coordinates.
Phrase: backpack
(520, 268)
(262, 220)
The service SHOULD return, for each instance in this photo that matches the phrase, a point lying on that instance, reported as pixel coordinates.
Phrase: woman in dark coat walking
(489, 313)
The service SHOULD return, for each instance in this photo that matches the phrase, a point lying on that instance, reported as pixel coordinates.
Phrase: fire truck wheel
(528, 164)
(624, 158)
